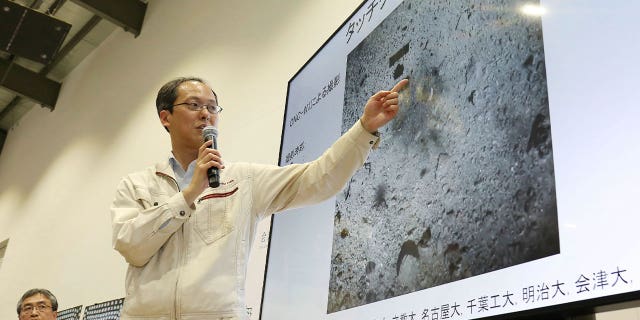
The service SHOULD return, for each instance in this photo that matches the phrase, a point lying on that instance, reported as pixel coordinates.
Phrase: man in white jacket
(187, 244)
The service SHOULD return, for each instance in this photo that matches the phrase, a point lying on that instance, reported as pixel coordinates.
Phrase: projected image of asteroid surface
(463, 182)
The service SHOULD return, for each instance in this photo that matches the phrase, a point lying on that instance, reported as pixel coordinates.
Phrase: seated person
(38, 304)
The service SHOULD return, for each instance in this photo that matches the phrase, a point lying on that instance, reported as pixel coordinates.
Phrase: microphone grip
(213, 173)
(214, 177)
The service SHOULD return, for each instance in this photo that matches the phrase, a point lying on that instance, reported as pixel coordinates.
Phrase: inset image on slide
(463, 181)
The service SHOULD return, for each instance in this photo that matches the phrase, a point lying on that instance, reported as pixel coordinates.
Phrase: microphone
(211, 133)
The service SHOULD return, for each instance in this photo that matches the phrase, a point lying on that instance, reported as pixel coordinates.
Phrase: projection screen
(506, 182)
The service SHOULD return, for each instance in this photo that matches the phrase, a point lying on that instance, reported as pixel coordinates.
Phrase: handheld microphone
(211, 133)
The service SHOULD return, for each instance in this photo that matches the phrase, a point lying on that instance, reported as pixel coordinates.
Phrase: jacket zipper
(176, 306)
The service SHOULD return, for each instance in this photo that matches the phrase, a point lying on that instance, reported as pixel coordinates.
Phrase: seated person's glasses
(29, 308)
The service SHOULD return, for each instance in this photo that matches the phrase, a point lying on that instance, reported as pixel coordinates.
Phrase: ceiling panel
(87, 32)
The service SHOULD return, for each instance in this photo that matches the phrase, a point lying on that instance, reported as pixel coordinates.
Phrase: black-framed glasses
(194, 106)
(29, 308)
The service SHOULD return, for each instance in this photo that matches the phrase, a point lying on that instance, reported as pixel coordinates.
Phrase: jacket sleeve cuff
(362, 136)
(177, 212)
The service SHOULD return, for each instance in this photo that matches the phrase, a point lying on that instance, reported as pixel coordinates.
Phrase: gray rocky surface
(463, 181)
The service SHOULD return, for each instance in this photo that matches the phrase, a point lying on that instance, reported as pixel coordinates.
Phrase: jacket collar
(165, 169)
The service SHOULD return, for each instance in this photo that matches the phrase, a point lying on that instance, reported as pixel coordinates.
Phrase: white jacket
(189, 262)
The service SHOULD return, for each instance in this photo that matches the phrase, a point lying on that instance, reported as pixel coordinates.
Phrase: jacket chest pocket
(213, 219)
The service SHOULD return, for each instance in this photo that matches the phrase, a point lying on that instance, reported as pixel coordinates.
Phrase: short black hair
(33, 292)
(168, 94)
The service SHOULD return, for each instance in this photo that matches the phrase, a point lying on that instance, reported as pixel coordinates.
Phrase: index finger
(400, 85)
(206, 144)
